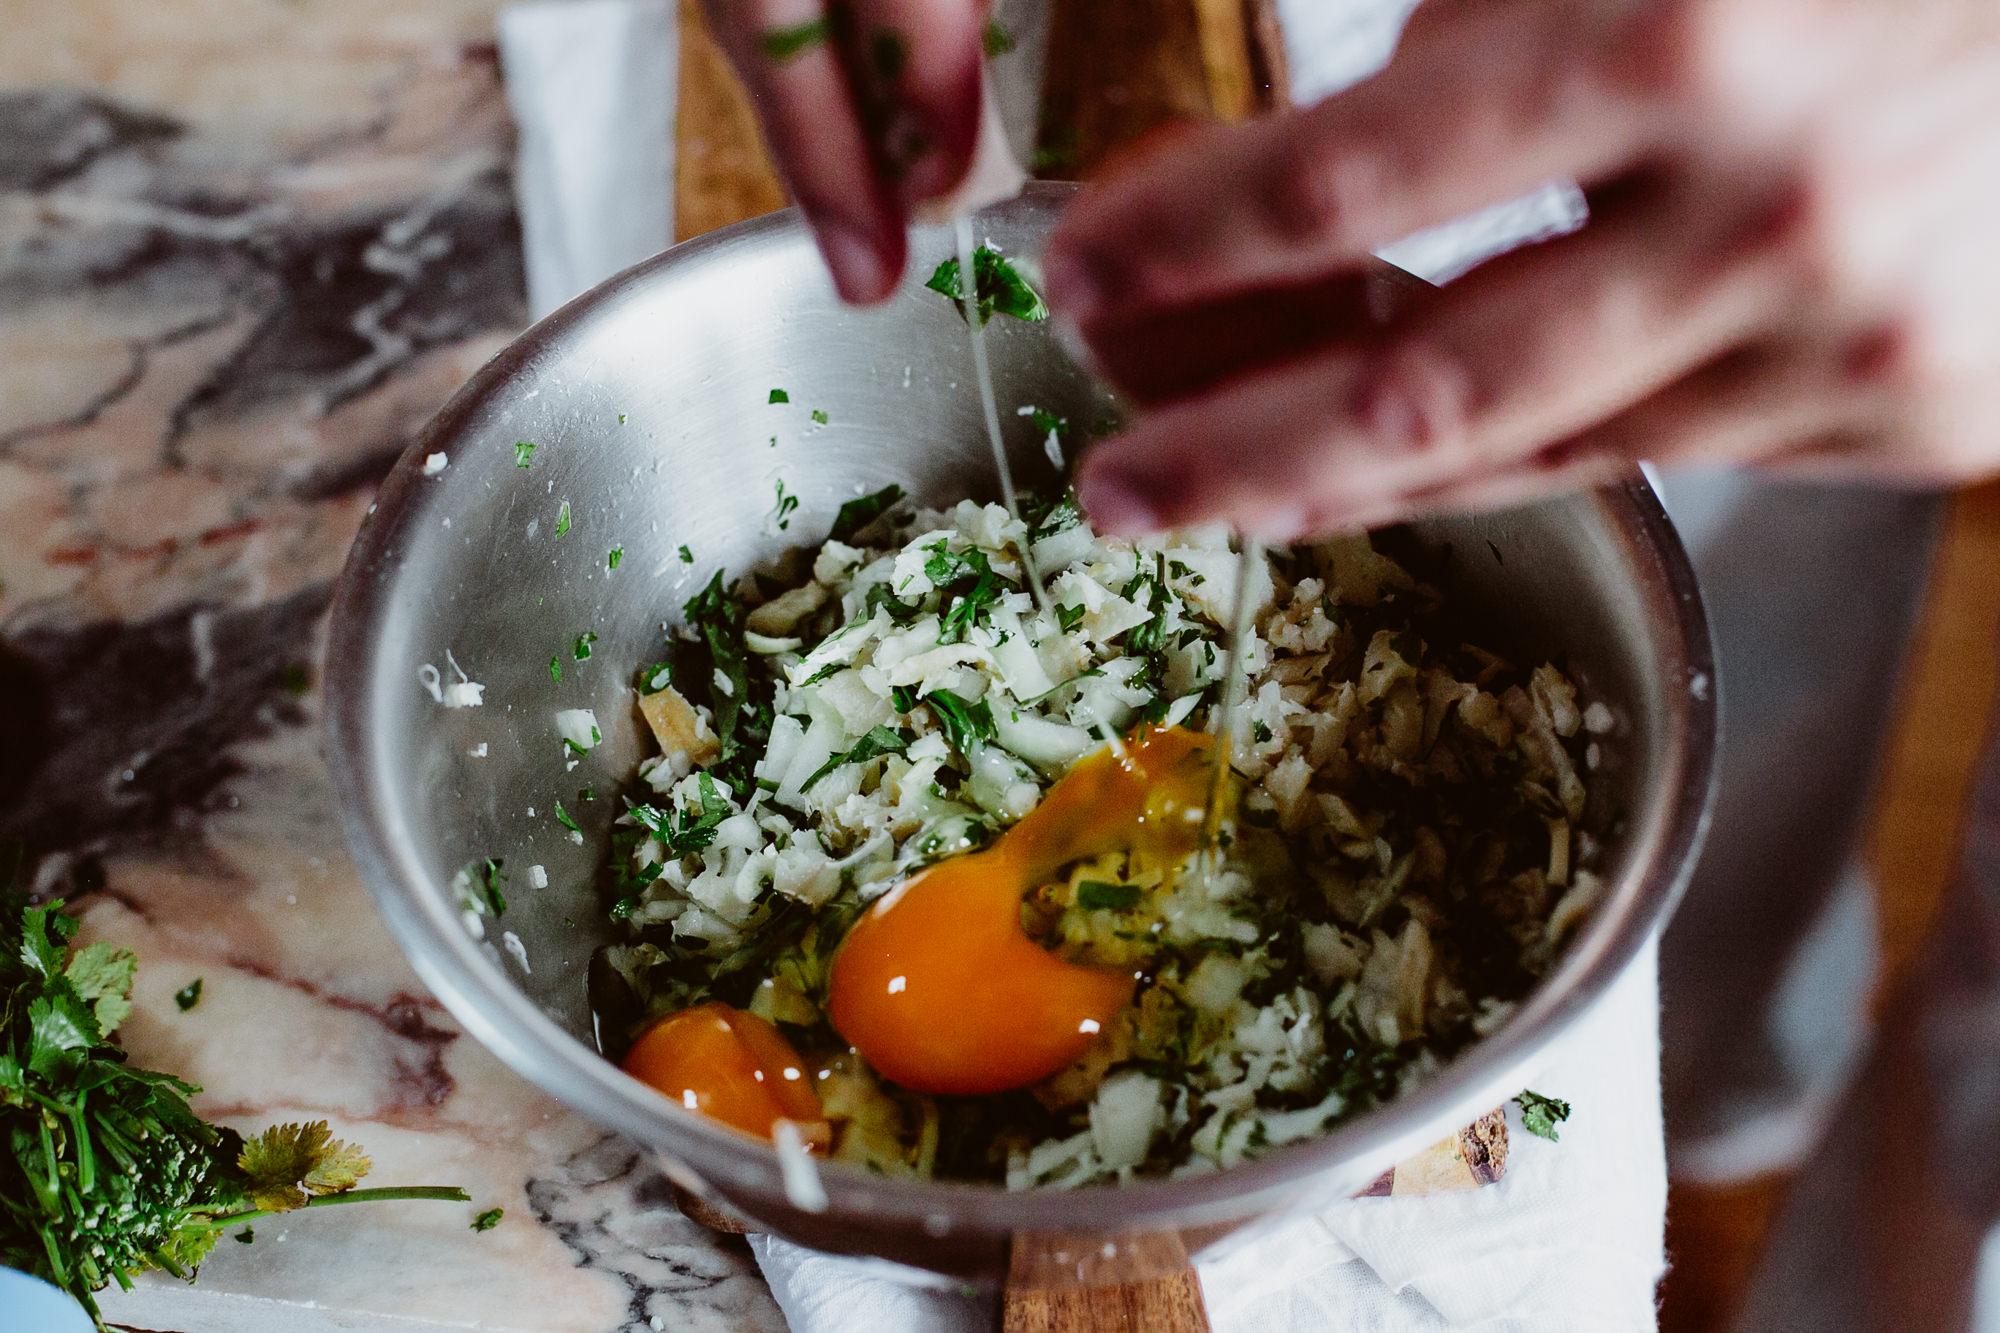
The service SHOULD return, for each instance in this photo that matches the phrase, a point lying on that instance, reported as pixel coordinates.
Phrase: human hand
(1793, 260)
(870, 108)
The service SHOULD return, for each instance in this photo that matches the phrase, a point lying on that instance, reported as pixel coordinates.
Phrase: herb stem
(388, 1193)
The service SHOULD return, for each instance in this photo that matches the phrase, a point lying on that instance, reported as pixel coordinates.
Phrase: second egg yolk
(939, 987)
(730, 1066)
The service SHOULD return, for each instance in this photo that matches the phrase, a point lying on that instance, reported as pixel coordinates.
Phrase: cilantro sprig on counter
(107, 1171)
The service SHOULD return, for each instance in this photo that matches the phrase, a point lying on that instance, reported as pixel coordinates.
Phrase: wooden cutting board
(1116, 72)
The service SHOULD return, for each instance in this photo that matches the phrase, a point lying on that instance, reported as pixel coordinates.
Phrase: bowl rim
(698, 1153)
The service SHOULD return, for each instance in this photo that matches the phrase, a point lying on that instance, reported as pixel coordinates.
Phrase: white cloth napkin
(1571, 1239)
(592, 87)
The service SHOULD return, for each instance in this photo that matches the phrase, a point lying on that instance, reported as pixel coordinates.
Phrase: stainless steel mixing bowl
(648, 403)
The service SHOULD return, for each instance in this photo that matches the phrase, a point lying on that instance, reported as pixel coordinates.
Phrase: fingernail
(858, 271)
(1120, 501)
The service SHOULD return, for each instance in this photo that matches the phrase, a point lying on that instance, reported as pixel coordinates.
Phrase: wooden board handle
(1095, 1283)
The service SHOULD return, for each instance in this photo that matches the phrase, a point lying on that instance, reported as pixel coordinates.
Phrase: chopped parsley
(787, 43)
(999, 288)
(687, 556)
(617, 554)
(188, 996)
(562, 519)
(877, 742)
(555, 668)
(965, 723)
(780, 396)
(1540, 1115)
(742, 716)
(819, 416)
(684, 831)
(782, 514)
(858, 513)
(1049, 429)
(1097, 894)
(487, 882)
(967, 586)
(583, 642)
(880, 598)
(1068, 617)
(489, 1219)
(1259, 732)
(524, 453)
(1149, 636)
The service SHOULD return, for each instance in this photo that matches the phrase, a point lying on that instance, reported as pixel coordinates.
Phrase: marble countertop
(247, 247)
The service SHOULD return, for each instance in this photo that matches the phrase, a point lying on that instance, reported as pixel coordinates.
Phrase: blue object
(30, 1305)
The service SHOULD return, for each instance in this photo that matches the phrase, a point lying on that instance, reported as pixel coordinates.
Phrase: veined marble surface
(247, 247)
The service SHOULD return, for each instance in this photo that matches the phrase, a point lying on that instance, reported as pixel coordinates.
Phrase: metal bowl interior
(648, 403)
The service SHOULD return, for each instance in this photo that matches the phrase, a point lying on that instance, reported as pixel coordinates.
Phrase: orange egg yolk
(939, 987)
(730, 1066)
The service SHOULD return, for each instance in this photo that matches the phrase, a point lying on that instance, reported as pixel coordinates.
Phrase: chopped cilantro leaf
(1149, 636)
(489, 1219)
(782, 44)
(782, 514)
(1259, 732)
(819, 416)
(967, 586)
(487, 881)
(858, 513)
(188, 996)
(1540, 1115)
(564, 818)
(780, 396)
(1068, 617)
(900, 611)
(742, 719)
(878, 742)
(524, 453)
(682, 831)
(617, 554)
(687, 556)
(1097, 894)
(562, 519)
(966, 724)
(555, 667)
(583, 642)
(998, 286)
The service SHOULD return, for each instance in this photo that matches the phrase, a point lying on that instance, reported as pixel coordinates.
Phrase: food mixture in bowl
(891, 891)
